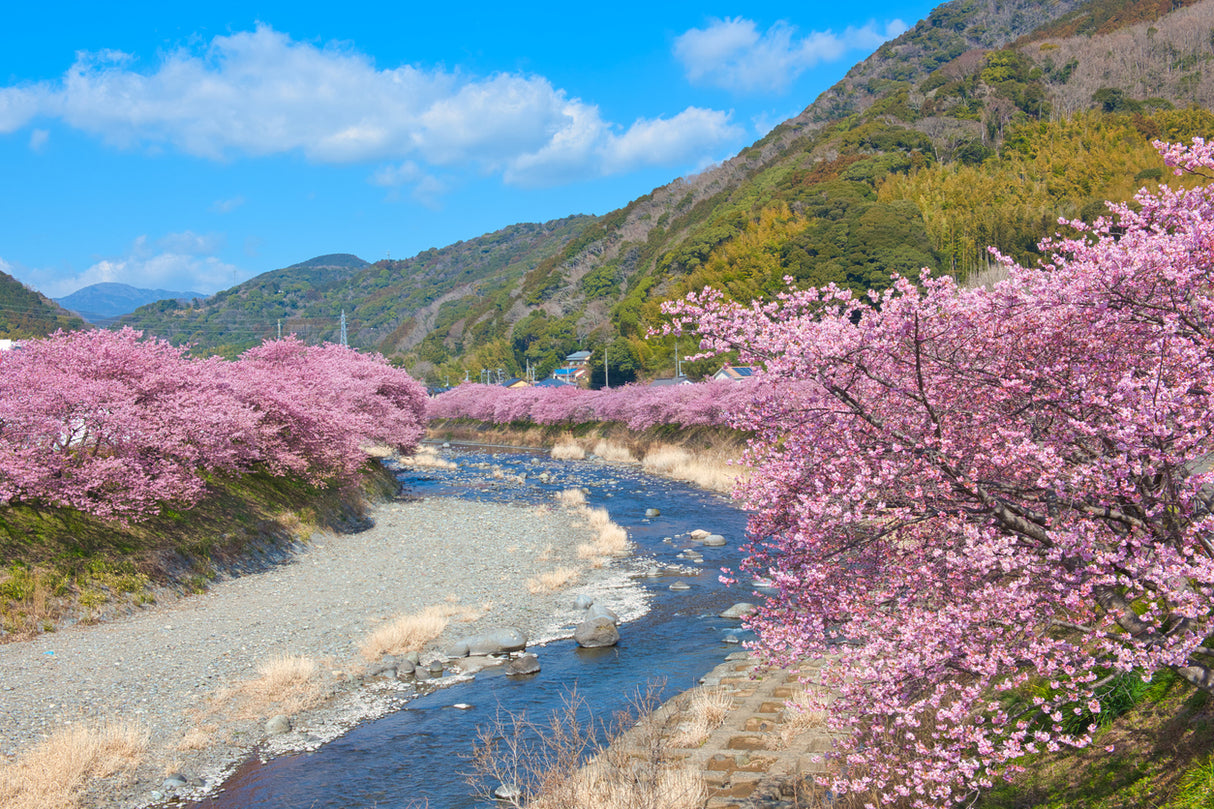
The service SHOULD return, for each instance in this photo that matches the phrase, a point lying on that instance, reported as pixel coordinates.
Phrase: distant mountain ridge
(981, 125)
(108, 300)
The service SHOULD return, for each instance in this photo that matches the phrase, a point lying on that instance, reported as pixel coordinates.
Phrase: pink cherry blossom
(960, 493)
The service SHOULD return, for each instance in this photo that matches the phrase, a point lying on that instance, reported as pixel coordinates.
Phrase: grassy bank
(60, 566)
(1162, 757)
(705, 456)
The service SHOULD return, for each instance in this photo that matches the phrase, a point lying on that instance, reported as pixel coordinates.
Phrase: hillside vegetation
(25, 313)
(981, 125)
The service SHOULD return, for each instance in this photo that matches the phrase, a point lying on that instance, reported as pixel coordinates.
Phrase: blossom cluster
(114, 425)
(637, 406)
(969, 496)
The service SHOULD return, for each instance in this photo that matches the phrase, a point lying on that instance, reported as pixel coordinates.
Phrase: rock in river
(494, 641)
(524, 664)
(742, 608)
(596, 632)
(602, 611)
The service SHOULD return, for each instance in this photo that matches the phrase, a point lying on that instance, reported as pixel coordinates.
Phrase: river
(417, 756)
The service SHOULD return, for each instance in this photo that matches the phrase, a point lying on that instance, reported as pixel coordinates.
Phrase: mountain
(981, 125)
(103, 302)
(25, 313)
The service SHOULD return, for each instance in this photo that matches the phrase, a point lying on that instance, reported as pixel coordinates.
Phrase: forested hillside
(25, 313)
(981, 125)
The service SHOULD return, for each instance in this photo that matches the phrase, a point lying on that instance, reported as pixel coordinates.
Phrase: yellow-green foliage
(1046, 170)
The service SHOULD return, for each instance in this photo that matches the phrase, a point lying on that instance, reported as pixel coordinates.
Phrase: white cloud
(261, 93)
(589, 147)
(734, 55)
(180, 262)
(38, 139)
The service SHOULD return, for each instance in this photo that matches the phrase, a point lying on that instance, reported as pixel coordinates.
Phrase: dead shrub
(53, 774)
(706, 709)
(571, 498)
(613, 453)
(568, 449)
(574, 761)
(678, 463)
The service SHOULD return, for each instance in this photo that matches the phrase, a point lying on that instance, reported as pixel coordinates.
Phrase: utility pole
(344, 341)
(606, 376)
(678, 363)
(280, 328)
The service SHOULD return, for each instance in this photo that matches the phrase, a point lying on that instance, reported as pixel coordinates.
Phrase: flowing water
(417, 756)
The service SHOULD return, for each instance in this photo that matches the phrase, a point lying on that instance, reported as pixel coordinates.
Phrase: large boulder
(739, 610)
(524, 664)
(493, 642)
(596, 632)
(601, 611)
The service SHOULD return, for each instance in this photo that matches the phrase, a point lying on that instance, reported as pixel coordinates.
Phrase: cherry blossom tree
(969, 496)
(110, 424)
(115, 425)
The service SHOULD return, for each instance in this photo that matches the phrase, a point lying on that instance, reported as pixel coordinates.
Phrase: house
(730, 373)
(578, 359)
(552, 382)
(516, 382)
(8, 345)
(570, 376)
(665, 383)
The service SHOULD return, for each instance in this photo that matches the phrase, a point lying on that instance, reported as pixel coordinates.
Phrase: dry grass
(707, 709)
(427, 457)
(571, 498)
(612, 452)
(405, 633)
(678, 463)
(53, 774)
(609, 538)
(804, 712)
(553, 580)
(199, 737)
(608, 783)
(411, 632)
(567, 449)
(570, 763)
(284, 684)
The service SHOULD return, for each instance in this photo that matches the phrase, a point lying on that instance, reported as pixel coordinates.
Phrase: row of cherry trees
(115, 425)
(979, 505)
(637, 406)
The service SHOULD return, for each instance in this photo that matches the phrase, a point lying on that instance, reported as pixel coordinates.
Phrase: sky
(191, 147)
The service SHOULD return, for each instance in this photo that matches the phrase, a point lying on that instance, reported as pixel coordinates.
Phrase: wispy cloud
(227, 205)
(38, 139)
(261, 93)
(732, 53)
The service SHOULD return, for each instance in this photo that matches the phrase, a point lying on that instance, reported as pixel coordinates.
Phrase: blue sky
(190, 148)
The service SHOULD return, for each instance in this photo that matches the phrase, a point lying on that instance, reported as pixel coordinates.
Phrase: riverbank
(705, 456)
(196, 677)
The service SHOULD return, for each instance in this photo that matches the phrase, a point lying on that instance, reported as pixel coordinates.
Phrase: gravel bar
(159, 667)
